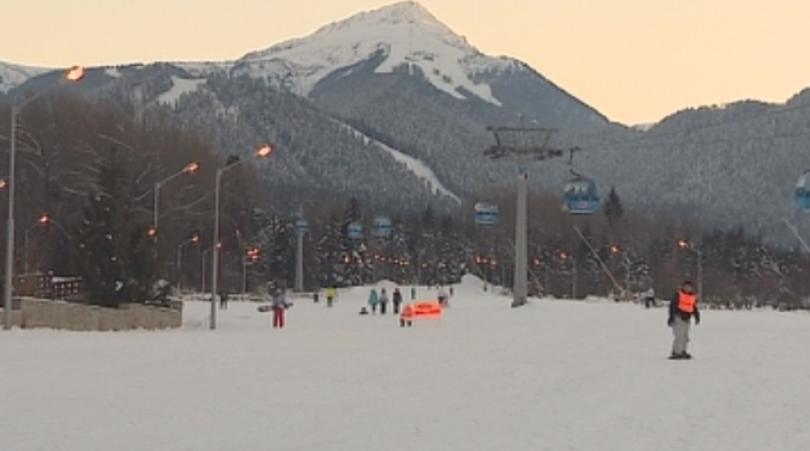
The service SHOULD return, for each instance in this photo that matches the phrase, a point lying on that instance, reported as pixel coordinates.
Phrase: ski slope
(555, 375)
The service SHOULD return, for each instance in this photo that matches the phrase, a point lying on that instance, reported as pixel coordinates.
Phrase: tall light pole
(251, 256)
(190, 168)
(262, 152)
(74, 74)
(687, 245)
(195, 239)
(43, 220)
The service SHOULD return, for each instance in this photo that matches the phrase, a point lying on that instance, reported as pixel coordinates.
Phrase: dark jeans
(383, 307)
(649, 302)
(396, 308)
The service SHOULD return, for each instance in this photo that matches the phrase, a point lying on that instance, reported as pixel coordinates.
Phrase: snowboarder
(649, 298)
(280, 304)
(223, 300)
(683, 306)
(397, 300)
(331, 294)
(373, 300)
(383, 301)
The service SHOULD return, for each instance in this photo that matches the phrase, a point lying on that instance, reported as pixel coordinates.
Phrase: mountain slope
(12, 75)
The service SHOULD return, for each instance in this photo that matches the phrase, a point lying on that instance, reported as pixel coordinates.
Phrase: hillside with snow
(12, 75)
(405, 33)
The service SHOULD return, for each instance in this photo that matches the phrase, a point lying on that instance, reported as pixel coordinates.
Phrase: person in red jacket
(682, 308)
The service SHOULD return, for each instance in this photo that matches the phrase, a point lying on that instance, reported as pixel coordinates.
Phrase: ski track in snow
(416, 166)
(179, 87)
(554, 375)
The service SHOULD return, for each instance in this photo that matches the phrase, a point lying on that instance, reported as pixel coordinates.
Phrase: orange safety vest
(687, 302)
(407, 313)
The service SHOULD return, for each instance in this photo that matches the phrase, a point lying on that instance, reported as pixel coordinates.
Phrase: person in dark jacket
(682, 308)
(397, 300)
(383, 301)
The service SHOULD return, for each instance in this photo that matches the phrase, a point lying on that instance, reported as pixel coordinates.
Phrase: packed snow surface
(406, 33)
(555, 375)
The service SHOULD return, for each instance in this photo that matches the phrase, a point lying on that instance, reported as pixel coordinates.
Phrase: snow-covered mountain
(404, 33)
(392, 106)
(12, 75)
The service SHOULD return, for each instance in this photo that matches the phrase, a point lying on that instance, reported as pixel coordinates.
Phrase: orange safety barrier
(426, 310)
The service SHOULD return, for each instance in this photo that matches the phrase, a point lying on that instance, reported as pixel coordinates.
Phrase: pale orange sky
(634, 60)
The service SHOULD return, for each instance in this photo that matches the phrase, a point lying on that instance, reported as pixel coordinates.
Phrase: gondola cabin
(581, 197)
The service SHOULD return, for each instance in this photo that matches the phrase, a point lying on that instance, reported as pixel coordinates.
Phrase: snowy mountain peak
(404, 33)
(407, 12)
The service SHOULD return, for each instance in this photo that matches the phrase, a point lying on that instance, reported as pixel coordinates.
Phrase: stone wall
(38, 313)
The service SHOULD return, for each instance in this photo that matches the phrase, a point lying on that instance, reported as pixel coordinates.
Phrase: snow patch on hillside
(179, 87)
(416, 166)
(405, 32)
(12, 75)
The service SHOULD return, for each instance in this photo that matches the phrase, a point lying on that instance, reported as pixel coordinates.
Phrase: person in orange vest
(682, 308)
(406, 317)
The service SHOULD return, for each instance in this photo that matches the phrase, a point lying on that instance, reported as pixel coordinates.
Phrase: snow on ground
(555, 375)
(416, 166)
(179, 87)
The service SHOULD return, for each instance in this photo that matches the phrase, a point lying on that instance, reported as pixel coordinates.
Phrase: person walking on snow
(682, 308)
(397, 300)
(373, 300)
(383, 301)
(443, 299)
(331, 294)
(649, 297)
(280, 304)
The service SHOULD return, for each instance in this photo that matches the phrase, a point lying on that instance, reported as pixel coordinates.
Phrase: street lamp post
(195, 238)
(43, 220)
(262, 152)
(251, 256)
(687, 245)
(74, 74)
(190, 168)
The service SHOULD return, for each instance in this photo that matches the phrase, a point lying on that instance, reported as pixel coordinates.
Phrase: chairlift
(802, 193)
(580, 194)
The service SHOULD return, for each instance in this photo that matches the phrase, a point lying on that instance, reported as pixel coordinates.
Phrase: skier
(443, 300)
(649, 297)
(373, 300)
(397, 300)
(331, 294)
(280, 304)
(406, 317)
(383, 301)
(683, 306)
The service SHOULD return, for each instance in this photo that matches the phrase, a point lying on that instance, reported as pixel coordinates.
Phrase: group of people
(682, 309)
(381, 301)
